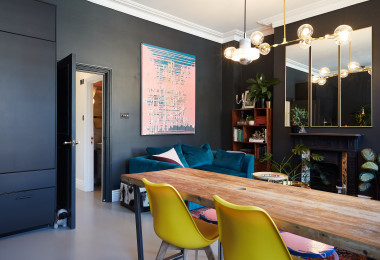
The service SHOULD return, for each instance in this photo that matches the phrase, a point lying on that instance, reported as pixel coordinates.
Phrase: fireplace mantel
(346, 146)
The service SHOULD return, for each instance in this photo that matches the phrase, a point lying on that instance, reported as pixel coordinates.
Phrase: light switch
(124, 115)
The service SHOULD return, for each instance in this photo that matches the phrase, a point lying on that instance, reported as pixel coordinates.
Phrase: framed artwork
(167, 91)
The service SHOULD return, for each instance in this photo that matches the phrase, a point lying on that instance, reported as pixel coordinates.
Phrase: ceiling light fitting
(245, 54)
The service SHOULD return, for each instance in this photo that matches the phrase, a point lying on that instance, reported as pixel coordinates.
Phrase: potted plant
(250, 120)
(298, 117)
(258, 90)
(286, 165)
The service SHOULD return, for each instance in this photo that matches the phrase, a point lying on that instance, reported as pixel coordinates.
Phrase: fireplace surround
(339, 149)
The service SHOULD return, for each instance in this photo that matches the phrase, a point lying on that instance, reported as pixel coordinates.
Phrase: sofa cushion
(197, 156)
(158, 150)
(228, 160)
(212, 168)
(169, 156)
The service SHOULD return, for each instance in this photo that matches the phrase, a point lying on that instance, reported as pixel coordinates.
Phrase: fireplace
(340, 150)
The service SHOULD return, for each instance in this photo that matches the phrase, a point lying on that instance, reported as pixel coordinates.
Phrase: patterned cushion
(170, 157)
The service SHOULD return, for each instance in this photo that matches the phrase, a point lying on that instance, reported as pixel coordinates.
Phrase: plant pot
(251, 122)
(268, 103)
(295, 129)
(262, 103)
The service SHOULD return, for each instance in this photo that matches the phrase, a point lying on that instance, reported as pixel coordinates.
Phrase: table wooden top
(344, 221)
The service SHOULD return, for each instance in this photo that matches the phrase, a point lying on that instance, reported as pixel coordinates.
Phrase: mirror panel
(324, 54)
(297, 74)
(356, 94)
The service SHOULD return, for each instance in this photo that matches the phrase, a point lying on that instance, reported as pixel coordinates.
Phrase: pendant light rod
(245, 18)
(284, 40)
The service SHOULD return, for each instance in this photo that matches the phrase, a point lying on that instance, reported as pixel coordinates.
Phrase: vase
(262, 103)
(268, 103)
(302, 129)
(295, 129)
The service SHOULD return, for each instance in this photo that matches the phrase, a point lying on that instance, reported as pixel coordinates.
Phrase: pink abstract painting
(168, 91)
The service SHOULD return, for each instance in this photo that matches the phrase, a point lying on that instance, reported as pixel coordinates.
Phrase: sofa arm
(144, 164)
(248, 165)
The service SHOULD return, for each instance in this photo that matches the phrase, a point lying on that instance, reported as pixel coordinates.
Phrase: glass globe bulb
(353, 66)
(322, 81)
(229, 52)
(343, 73)
(342, 34)
(305, 43)
(305, 31)
(324, 71)
(264, 48)
(315, 79)
(369, 71)
(257, 38)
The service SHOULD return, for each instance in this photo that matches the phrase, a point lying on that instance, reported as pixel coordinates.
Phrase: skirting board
(115, 195)
(79, 184)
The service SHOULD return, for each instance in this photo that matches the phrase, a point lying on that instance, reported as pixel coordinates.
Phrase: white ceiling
(222, 20)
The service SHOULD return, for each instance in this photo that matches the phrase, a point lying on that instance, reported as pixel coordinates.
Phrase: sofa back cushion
(197, 156)
(228, 160)
(158, 150)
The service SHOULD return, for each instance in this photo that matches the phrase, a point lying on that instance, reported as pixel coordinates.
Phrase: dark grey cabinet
(27, 115)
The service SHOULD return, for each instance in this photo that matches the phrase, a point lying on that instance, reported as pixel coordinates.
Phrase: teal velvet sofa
(203, 158)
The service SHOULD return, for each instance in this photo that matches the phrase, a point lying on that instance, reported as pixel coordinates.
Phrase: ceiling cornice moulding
(320, 7)
(156, 16)
(171, 21)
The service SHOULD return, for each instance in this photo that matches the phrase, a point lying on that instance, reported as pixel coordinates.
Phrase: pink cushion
(209, 215)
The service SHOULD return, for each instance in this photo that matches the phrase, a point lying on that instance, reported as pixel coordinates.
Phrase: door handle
(73, 143)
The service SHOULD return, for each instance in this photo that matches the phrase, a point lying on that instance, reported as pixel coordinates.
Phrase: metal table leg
(220, 250)
(137, 197)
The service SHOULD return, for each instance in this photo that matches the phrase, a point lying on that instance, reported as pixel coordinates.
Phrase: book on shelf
(238, 134)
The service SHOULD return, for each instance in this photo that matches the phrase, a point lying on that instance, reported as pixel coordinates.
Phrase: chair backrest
(248, 232)
(172, 220)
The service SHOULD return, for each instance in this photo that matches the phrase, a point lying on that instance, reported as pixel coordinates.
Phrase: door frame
(107, 92)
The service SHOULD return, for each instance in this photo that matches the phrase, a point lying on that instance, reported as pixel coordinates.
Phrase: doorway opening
(89, 122)
(93, 93)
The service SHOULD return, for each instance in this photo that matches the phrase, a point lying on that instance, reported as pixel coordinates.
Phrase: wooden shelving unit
(263, 120)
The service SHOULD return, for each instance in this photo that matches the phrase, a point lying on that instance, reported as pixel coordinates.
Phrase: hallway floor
(104, 231)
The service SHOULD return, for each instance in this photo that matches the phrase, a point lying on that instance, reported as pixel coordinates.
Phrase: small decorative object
(242, 121)
(61, 219)
(298, 117)
(258, 137)
(258, 90)
(363, 116)
(167, 91)
(368, 154)
(371, 166)
(268, 103)
(250, 120)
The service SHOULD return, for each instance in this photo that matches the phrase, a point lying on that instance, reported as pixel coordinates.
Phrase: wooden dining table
(343, 221)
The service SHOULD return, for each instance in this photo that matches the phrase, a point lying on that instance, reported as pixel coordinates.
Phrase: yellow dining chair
(248, 232)
(174, 224)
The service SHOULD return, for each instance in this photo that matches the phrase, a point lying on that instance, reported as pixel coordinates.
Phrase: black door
(66, 136)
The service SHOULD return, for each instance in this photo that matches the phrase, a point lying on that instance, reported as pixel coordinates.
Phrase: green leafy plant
(250, 118)
(259, 87)
(298, 116)
(363, 116)
(286, 165)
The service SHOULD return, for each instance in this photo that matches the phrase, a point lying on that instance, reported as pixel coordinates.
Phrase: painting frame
(168, 89)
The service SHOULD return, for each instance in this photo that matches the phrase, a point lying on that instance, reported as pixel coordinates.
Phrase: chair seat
(306, 248)
(209, 231)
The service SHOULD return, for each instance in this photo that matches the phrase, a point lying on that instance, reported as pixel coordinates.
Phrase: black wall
(104, 37)
(357, 16)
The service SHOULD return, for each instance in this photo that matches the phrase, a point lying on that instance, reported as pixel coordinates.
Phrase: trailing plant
(298, 116)
(259, 87)
(286, 165)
